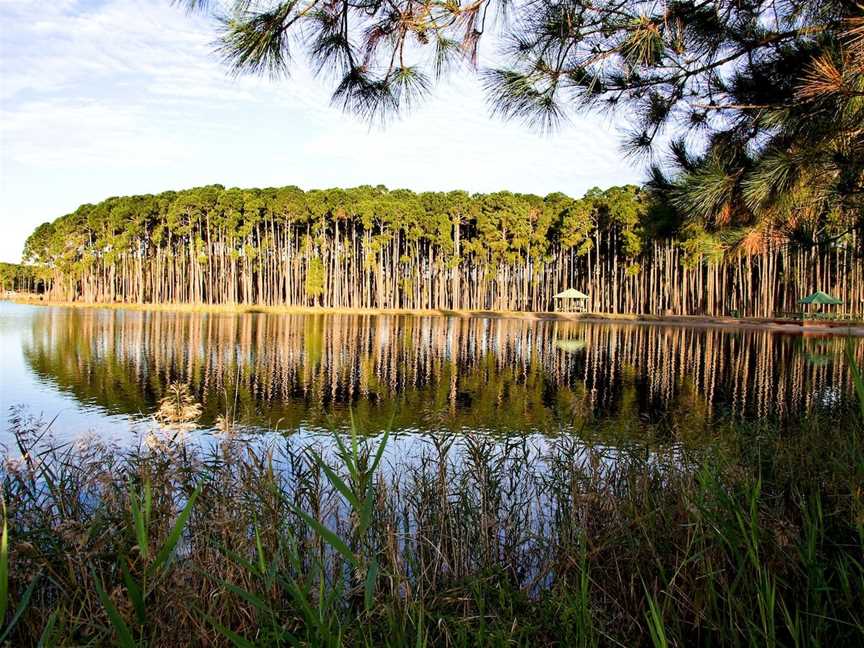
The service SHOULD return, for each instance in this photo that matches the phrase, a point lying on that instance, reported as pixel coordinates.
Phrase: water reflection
(293, 371)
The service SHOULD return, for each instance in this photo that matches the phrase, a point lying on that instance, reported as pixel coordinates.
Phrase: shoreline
(704, 321)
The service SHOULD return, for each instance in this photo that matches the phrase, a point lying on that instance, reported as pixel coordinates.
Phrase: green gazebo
(820, 298)
(571, 300)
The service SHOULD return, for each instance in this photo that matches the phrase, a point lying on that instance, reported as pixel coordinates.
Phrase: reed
(756, 539)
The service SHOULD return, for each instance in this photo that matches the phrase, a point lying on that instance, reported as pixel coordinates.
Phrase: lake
(104, 371)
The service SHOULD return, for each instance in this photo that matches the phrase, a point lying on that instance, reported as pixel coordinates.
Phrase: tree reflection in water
(501, 375)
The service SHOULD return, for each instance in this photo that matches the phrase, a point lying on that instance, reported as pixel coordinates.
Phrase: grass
(177, 408)
(758, 541)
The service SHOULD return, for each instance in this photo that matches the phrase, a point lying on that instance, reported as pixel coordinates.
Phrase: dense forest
(370, 247)
(757, 201)
(17, 277)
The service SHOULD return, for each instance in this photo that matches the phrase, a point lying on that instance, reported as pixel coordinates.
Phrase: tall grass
(472, 541)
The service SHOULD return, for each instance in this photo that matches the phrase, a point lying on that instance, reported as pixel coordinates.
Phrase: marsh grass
(472, 541)
(178, 408)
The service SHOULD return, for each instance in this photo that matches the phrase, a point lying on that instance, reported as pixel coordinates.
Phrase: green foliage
(139, 589)
(315, 278)
(20, 278)
(857, 376)
(701, 246)
(370, 247)
(7, 627)
(761, 101)
(251, 227)
(4, 565)
(754, 539)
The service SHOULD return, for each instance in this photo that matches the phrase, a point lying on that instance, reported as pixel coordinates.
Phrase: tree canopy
(19, 278)
(760, 103)
(370, 247)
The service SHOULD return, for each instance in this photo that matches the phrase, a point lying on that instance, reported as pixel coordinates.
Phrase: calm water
(104, 371)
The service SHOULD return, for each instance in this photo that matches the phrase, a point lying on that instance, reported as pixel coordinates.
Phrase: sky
(103, 98)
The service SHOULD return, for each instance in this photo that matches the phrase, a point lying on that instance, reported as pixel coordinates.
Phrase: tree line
(370, 247)
(16, 277)
(750, 111)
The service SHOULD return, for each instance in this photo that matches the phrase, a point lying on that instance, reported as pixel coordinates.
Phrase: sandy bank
(821, 327)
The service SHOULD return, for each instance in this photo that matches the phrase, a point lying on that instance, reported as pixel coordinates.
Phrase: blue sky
(114, 97)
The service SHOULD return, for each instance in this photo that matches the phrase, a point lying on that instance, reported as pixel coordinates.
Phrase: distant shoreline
(790, 326)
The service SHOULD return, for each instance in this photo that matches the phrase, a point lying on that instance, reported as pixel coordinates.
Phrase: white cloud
(125, 96)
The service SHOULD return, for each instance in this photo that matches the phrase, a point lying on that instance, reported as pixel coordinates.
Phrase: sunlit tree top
(761, 101)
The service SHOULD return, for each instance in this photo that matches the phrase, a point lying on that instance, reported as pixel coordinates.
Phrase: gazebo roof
(571, 293)
(820, 297)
